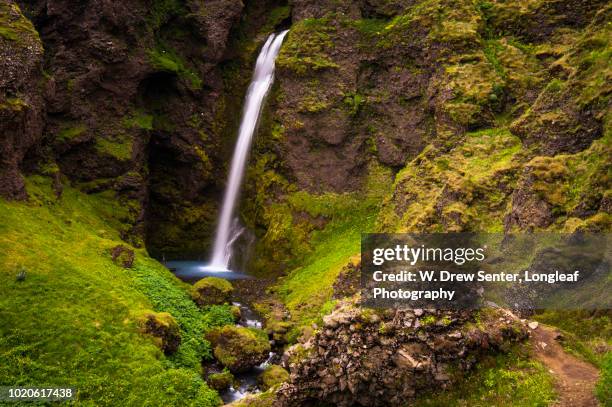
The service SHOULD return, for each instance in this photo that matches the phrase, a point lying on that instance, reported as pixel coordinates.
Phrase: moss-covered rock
(163, 328)
(122, 256)
(21, 102)
(236, 313)
(220, 381)
(239, 348)
(212, 291)
(273, 376)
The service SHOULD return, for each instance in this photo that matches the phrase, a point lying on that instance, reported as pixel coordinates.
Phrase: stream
(193, 271)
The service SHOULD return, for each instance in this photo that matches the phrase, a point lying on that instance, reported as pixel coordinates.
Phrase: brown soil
(575, 378)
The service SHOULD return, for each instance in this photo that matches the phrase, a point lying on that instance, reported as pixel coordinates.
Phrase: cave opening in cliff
(181, 198)
(157, 88)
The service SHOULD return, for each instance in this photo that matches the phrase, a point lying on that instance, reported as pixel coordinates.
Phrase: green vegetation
(273, 376)
(71, 132)
(471, 173)
(91, 306)
(139, 120)
(510, 380)
(162, 11)
(166, 59)
(220, 381)
(307, 289)
(275, 17)
(604, 387)
(306, 47)
(119, 148)
(13, 104)
(212, 291)
(14, 26)
(239, 348)
(587, 335)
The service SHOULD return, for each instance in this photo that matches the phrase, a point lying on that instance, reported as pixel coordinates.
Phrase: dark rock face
(21, 96)
(133, 99)
(364, 358)
(404, 85)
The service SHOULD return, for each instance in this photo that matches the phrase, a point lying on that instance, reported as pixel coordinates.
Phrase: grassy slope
(510, 379)
(307, 289)
(72, 322)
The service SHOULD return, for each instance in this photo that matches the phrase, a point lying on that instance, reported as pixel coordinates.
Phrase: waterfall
(263, 76)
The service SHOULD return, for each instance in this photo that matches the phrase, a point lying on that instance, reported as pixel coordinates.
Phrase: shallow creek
(246, 383)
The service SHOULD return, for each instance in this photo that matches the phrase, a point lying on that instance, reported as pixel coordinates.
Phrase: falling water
(228, 231)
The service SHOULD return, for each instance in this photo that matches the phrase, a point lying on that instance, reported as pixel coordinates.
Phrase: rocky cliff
(386, 115)
(142, 100)
(128, 98)
(477, 108)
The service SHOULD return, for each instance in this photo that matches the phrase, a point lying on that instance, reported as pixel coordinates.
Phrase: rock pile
(373, 358)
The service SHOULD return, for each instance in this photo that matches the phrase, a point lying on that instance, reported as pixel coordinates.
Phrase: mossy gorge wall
(118, 119)
(143, 100)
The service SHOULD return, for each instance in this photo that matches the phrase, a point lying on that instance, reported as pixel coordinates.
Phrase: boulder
(122, 256)
(212, 291)
(239, 348)
(163, 328)
(220, 381)
(273, 376)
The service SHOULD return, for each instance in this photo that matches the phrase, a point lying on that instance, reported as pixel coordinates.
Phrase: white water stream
(263, 77)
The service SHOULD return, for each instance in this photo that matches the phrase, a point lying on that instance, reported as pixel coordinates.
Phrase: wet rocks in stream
(273, 376)
(239, 348)
(374, 358)
(220, 381)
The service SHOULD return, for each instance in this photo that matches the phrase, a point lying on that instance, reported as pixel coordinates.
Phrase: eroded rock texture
(361, 357)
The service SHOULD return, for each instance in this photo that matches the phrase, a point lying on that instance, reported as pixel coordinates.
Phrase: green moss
(307, 289)
(119, 148)
(264, 399)
(273, 376)
(166, 59)
(354, 102)
(162, 11)
(212, 291)
(572, 181)
(370, 27)
(70, 132)
(13, 104)
(275, 17)
(239, 348)
(511, 379)
(449, 24)
(220, 381)
(306, 47)
(139, 120)
(86, 333)
(428, 320)
(14, 26)
(471, 174)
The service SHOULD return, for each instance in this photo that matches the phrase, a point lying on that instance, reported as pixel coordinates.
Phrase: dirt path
(575, 378)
